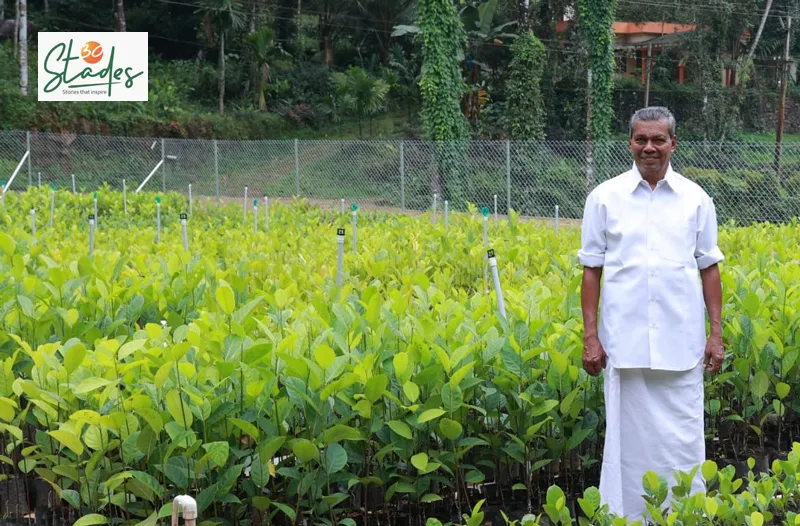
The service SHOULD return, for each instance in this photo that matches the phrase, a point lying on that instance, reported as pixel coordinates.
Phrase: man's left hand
(715, 354)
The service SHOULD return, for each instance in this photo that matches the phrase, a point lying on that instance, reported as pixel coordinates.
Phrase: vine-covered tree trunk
(525, 109)
(221, 73)
(441, 87)
(596, 18)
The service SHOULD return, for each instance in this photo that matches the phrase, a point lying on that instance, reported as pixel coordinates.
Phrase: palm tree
(220, 17)
(264, 48)
(360, 92)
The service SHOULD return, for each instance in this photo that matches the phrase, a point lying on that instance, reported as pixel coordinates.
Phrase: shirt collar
(670, 178)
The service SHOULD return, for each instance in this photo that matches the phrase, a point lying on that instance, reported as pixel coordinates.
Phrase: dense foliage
(241, 373)
(264, 69)
(525, 107)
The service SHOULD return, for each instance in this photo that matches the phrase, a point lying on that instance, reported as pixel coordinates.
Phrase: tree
(441, 84)
(363, 94)
(23, 46)
(525, 110)
(264, 48)
(595, 25)
(119, 16)
(382, 17)
(221, 17)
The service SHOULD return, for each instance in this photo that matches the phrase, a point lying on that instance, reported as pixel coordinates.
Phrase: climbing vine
(595, 26)
(442, 87)
(441, 84)
(525, 108)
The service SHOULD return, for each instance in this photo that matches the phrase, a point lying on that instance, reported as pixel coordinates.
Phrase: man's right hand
(594, 356)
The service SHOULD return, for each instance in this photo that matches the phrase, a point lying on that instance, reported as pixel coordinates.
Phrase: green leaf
(341, 432)
(411, 390)
(431, 497)
(26, 305)
(68, 439)
(304, 450)
(74, 357)
(429, 415)
(72, 498)
(90, 520)
(246, 427)
(420, 461)
(452, 398)
(450, 428)
(759, 384)
(335, 458)
(709, 469)
(782, 390)
(226, 299)
(400, 363)
(375, 387)
(7, 244)
(149, 481)
(217, 452)
(178, 409)
(90, 384)
(324, 356)
(757, 519)
(401, 428)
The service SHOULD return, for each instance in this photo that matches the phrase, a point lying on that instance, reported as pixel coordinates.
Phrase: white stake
(266, 213)
(190, 198)
(97, 217)
(354, 208)
(52, 205)
(33, 222)
(498, 290)
(495, 209)
(446, 215)
(189, 507)
(244, 206)
(340, 256)
(91, 234)
(343, 206)
(39, 174)
(3, 192)
(185, 234)
(158, 220)
(435, 197)
(73, 184)
(485, 226)
(255, 215)
(556, 221)
(125, 197)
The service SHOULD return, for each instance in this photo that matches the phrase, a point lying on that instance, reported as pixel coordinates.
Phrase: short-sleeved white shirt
(651, 244)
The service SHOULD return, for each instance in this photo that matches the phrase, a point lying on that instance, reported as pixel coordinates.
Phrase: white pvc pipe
(495, 209)
(556, 221)
(149, 176)
(52, 207)
(185, 234)
(74, 191)
(125, 196)
(188, 506)
(33, 222)
(498, 290)
(255, 215)
(266, 213)
(16, 171)
(446, 215)
(190, 198)
(435, 198)
(355, 229)
(244, 207)
(340, 255)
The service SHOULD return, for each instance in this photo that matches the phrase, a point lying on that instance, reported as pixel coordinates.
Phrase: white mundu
(651, 244)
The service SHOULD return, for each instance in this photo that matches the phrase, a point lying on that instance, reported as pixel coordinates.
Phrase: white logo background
(69, 80)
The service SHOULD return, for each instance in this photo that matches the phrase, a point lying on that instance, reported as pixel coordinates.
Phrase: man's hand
(594, 356)
(715, 354)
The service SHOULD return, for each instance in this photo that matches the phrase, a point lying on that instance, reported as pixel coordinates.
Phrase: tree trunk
(23, 46)
(46, 8)
(523, 15)
(2, 11)
(119, 16)
(15, 38)
(221, 73)
(760, 29)
(328, 50)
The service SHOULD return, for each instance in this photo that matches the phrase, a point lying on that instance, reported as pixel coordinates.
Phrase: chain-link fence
(749, 181)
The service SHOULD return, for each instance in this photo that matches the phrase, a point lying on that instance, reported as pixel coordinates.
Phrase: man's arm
(712, 293)
(590, 299)
(594, 356)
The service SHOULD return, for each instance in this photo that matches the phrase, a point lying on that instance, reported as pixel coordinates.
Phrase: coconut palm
(219, 18)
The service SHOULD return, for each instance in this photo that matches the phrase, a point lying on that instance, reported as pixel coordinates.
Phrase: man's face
(652, 147)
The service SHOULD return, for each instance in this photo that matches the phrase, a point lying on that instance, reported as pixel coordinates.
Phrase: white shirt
(650, 244)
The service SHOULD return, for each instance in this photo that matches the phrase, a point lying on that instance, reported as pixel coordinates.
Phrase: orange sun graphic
(92, 52)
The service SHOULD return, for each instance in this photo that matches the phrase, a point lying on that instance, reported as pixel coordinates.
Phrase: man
(651, 234)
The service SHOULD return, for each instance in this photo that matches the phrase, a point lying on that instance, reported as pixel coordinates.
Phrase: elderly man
(651, 235)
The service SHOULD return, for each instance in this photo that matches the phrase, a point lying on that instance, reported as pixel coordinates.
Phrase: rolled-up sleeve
(707, 252)
(593, 239)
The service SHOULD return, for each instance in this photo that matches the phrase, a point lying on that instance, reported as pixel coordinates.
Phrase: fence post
(28, 147)
(402, 176)
(508, 178)
(216, 167)
(297, 166)
(163, 169)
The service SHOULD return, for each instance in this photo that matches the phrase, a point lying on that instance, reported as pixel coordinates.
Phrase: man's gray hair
(654, 113)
